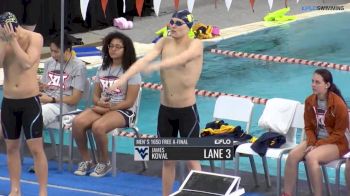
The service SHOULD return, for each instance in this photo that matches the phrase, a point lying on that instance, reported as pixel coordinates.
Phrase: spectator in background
(74, 77)
(326, 120)
(111, 110)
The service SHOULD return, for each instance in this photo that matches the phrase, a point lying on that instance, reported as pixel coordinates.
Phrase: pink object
(122, 23)
(215, 31)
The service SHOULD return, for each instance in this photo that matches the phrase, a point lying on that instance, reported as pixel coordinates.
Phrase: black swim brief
(18, 113)
(173, 120)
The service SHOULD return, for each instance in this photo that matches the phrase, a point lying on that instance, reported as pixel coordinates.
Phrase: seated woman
(326, 120)
(111, 109)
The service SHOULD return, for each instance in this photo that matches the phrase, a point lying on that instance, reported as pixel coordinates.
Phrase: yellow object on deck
(279, 17)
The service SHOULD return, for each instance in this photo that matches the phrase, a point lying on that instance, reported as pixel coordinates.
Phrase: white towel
(278, 115)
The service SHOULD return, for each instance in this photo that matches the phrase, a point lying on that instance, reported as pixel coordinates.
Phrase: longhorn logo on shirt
(55, 79)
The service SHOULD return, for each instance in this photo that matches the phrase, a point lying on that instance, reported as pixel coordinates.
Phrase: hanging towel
(278, 115)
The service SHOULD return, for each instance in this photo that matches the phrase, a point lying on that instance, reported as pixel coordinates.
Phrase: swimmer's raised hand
(117, 84)
(9, 32)
(2, 34)
(151, 68)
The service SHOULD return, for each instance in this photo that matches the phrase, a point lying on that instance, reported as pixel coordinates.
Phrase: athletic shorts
(21, 113)
(171, 121)
(129, 116)
(26, 11)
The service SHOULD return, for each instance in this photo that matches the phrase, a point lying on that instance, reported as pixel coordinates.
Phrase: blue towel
(87, 51)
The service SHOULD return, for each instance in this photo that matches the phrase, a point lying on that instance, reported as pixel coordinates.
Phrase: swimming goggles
(177, 23)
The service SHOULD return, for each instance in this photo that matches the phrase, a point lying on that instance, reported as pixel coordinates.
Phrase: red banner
(139, 5)
(176, 3)
(252, 4)
(104, 6)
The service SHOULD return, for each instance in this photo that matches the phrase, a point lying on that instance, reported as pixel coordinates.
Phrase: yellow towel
(223, 129)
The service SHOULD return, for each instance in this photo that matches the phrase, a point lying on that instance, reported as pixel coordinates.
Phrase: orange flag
(176, 3)
(139, 5)
(104, 6)
(252, 4)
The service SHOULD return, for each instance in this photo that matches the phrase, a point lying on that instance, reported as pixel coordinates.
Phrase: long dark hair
(129, 55)
(327, 77)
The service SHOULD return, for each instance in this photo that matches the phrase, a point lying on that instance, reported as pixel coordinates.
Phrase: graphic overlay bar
(146, 149)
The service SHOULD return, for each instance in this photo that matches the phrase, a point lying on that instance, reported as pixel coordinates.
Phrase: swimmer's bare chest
(13, 66)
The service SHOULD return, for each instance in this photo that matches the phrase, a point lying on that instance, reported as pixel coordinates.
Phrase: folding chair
(337, 165)
(273, 153)
(123, 132)
(232, 108)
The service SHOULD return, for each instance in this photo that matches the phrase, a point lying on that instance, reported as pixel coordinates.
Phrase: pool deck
(126, 164)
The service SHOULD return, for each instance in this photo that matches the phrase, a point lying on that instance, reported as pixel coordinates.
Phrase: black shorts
(174, 120)
(129, 116)
(18, 113)
(26, 11)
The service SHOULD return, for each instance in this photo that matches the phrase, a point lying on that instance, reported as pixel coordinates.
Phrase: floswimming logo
(322, 7)
(141, 153)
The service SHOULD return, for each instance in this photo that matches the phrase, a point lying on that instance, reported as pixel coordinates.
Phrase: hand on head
(9, 32)
(3, 33)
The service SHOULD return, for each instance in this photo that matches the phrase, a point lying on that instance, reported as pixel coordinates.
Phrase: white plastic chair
(232, 108)
(337, 165)
(120, 132)
(273, 153)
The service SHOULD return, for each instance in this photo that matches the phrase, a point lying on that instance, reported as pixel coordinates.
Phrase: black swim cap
(8, 18)
(184, 15)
